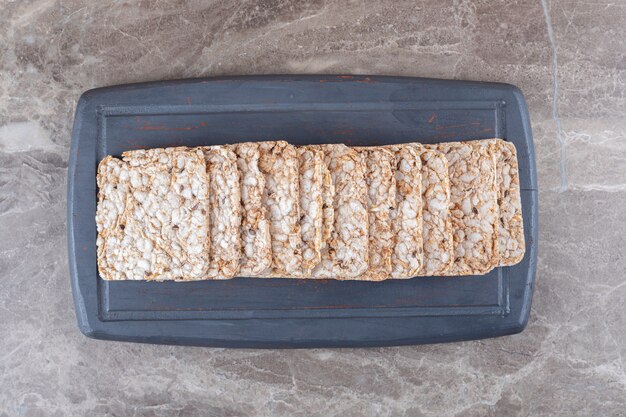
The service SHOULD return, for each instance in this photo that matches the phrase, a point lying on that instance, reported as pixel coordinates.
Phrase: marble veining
(567, 56)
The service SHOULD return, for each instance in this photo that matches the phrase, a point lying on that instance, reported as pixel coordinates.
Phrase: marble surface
(569, 58)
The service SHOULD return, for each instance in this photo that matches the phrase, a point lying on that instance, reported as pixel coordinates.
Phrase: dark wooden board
(245, 312)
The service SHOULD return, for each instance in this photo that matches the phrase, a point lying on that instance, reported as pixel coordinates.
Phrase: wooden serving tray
(246, 312)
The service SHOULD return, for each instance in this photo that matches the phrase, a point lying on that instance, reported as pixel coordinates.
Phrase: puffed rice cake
(112, 249)
(346, 255)
(225, 211)
(511, 243)
(256, 241)
(311, 206)
(436, 226)
(381, 199)
(279, 163)
(160, 232)
(474, 205)
(406, 216)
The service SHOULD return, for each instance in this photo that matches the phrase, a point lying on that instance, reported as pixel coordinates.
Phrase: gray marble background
(569, 58)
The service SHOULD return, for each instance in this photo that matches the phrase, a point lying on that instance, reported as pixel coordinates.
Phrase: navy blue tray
(244, 312)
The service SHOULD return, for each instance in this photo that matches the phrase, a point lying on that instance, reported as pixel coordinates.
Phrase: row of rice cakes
(271, 209)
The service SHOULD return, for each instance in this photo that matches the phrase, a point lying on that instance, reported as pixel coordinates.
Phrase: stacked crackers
(271, 209)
